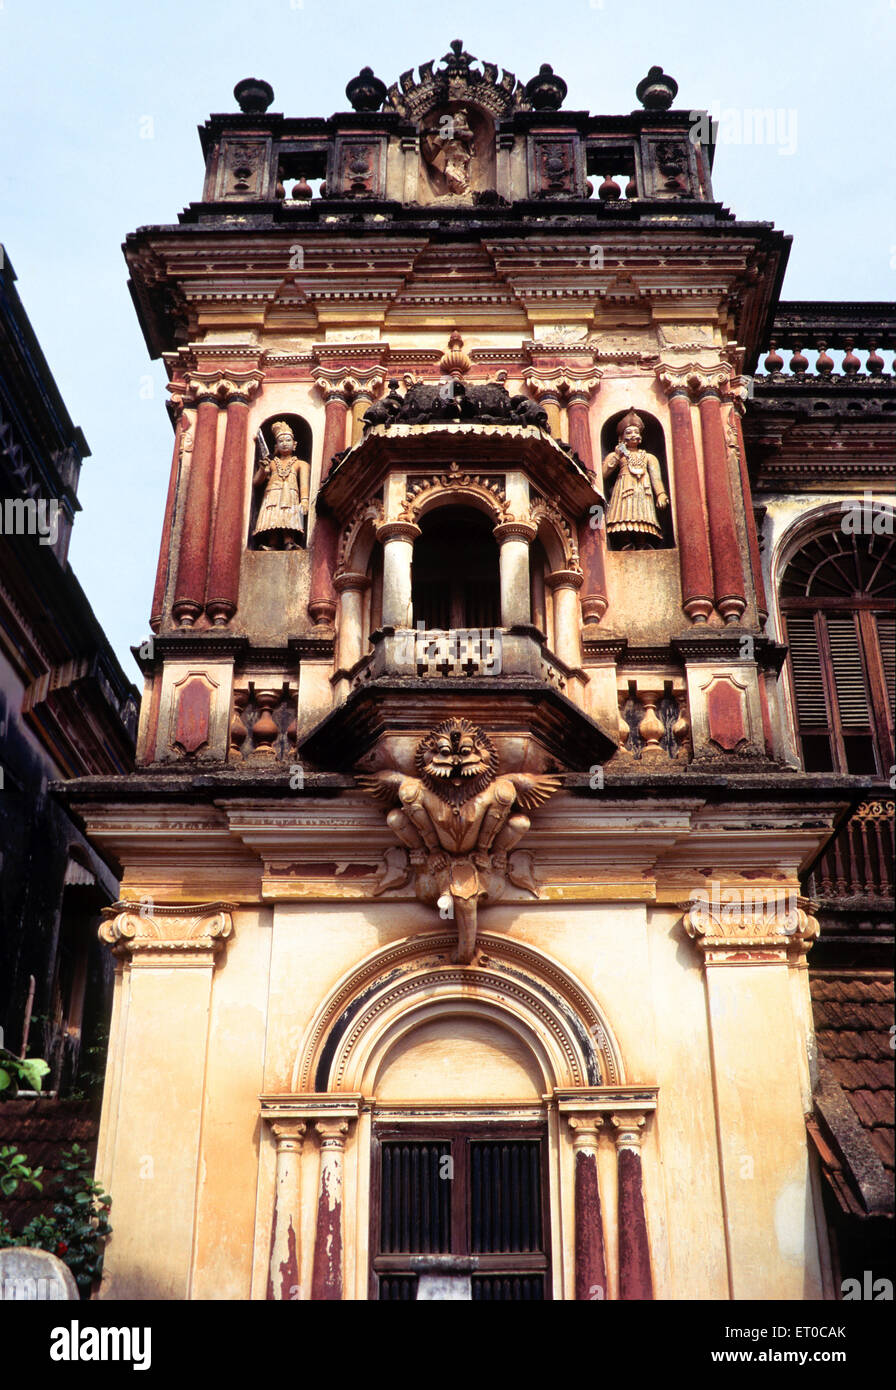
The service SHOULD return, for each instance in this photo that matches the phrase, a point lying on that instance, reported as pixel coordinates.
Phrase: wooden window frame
(459, 1134)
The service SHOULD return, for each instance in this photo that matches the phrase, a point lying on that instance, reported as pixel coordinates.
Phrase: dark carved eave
(557, 470)
(517, 706)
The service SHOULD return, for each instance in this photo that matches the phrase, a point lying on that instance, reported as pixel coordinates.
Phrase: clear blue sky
(78, 80)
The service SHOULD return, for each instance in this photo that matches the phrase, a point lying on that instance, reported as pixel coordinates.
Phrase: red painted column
(326, 1277)
(192, 567)
(690, 523)
(737, 442)
(591, 1265)
(591, 535)
(635, 1277)
(727, 563)
(286, 1261)
(325, 541)
(223, 584)
(181, 433)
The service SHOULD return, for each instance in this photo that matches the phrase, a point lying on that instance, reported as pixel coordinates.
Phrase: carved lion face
(456, 760)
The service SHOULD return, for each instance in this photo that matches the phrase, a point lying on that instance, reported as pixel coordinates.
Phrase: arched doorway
(455, 578)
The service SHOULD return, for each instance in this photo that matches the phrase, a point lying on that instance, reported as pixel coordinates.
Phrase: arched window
(840, 622)
(455, 581)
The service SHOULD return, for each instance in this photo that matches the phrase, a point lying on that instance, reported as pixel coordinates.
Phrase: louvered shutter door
(886, 636)
(849, 675)
(805, 665)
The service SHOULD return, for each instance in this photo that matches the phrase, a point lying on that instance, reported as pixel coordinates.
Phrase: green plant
(92, 1071)
(79, 1227)
(14, 1170)
(17, 1072)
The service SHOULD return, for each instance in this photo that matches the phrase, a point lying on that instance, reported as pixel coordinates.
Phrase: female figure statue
(639, 490)
(284, 507)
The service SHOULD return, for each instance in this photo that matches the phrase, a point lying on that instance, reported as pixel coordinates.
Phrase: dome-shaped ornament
(656, 91)
(253, 95)
(366, 92)
(546, 90)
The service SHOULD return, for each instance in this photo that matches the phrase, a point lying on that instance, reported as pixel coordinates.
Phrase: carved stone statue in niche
(638, 491)
(286, 479)
(449, 149)
(458, 819)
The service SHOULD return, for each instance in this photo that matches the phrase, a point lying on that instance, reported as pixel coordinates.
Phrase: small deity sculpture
(286, 478)
(638, 491)
(449, 148)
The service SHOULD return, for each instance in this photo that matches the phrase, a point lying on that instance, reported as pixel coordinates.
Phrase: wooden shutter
(886, 637)
(805, 666)
(849, 673)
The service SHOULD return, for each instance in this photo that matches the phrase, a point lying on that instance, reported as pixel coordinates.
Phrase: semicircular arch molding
(415, 981)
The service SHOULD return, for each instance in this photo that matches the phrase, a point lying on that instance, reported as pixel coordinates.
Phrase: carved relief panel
(243, 170)
(556, 166)
(360, 167)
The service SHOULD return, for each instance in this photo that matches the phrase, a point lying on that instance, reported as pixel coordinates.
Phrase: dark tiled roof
(41, 1130)
(853, 1016)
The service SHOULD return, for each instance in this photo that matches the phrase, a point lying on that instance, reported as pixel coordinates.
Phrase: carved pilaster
(635, 1276)
(286, 1227)
(327, 1275)
(590, 1259)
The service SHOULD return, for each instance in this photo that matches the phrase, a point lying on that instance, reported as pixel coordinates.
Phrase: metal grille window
(837, 602)
(461, 1193)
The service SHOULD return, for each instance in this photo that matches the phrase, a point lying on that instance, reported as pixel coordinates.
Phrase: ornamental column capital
(335, 384)
(585, 1129)
(350, 580)
(751, 925)
(695, 379)
(397, 531)
(181, 934)
(515, 530)
(565, 579)
(289, 1134)
(224, 387)
(333, 1133)
(628, 1128)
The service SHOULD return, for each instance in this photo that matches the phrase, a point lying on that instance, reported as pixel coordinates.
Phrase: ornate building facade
(465, 926)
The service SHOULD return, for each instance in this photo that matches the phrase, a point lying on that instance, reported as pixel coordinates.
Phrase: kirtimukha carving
(286, 479)
(638, 491)
(458, 819)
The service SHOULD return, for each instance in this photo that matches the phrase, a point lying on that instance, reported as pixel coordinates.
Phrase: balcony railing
(858, 861)
(814, 342)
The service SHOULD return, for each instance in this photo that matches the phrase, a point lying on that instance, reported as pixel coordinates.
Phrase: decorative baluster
(265, 732)
(870, 881)
(609, 191)
(874, 364)
(827, 884)
(774, 363)
(238, 731)
(840, 876)
(883, 876)
(851, 363)
(824, 363)
(799, 363)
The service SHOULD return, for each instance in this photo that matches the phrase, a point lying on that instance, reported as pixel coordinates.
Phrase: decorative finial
(656, 91)
(253, 95)
(546, 91)
(366, 92)
(455, 362)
